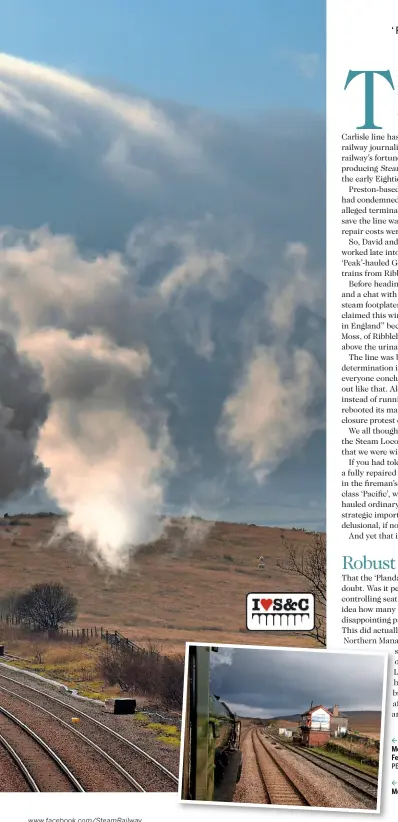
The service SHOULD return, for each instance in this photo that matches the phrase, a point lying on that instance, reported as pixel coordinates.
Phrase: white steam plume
(271, 411)
(109, 480)
(107, 468)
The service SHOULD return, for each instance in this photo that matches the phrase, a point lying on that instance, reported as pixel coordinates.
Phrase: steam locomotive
(212, 759)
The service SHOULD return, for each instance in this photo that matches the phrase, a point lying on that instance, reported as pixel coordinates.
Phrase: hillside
(364, 722)
(174, 591)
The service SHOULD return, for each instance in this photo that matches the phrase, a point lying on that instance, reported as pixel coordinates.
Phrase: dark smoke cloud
(23, 410)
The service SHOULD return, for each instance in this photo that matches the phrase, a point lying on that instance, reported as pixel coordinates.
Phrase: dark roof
(339, 715)
(316, 708)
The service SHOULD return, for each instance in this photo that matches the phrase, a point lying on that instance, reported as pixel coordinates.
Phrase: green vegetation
(169, 730)
(169, 740)
(69, 664)
(372, 770)
(168, 734)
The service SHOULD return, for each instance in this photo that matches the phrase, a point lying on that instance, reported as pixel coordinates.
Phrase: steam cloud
(99, 349)
(271, 411)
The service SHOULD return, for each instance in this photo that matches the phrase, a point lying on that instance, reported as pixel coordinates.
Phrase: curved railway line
(152, 775)
(364, 784)
(279, 787)
(41, 768)
(29, 782)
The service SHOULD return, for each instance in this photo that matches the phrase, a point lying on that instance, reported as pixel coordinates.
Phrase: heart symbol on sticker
(266, 603)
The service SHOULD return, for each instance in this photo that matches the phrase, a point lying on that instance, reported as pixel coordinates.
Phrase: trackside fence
(113, 638)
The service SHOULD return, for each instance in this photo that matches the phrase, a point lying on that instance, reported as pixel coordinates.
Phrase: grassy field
(336, 756)
(73, 664)
(77, 666)
(358, 747)
(172, 592)
(367, 723)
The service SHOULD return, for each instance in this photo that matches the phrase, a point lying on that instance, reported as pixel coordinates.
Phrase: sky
(219, 54)
(162, 263)
(267, 683)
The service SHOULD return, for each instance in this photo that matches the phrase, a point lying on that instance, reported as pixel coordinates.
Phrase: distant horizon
(291, 717)
(173, 516)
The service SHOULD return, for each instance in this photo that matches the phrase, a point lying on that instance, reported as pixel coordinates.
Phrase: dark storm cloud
(273, 683)
(23, 409)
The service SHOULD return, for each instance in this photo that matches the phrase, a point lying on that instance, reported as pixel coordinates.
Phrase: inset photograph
(282, 727)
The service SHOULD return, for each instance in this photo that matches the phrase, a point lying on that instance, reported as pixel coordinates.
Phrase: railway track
(41, 768)
(365, 784)
(154, 774)
(10, 757)
(280, 788)
(127, 778)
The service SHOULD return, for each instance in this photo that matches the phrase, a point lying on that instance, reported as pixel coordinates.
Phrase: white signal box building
(315, 726)
(319, 719)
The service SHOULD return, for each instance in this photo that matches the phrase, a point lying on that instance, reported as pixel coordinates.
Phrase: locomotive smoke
(224, 656)
(106, 471)
(270, 413)
(105, 443)
(95, 350)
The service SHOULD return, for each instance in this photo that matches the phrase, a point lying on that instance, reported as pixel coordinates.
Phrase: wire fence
(113, 638)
